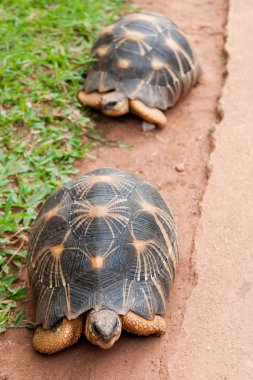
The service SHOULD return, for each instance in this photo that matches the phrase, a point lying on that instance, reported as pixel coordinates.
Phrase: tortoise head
(115, 103)
(103, 328)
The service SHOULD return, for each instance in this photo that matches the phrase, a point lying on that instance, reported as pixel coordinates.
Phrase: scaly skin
(56, 339)
(92, 100)
(135, 324)
(151, 115)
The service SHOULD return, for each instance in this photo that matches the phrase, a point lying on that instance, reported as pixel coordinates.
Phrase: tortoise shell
(146, 56)
(104, 240)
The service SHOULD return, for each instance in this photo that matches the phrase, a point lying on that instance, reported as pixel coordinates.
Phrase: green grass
(44, 49)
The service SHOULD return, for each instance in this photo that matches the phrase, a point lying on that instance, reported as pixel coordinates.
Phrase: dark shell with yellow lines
(145, 56)
(104, 240)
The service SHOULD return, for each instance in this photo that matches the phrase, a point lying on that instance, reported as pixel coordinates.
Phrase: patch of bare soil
(175, 161)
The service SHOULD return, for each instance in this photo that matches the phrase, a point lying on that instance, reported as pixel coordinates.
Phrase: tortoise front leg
(63, 335)
(135, 324)
(92, 100)
(151, 115)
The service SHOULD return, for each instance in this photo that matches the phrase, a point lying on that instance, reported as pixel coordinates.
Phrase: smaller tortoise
(102, 257)
(142, 64)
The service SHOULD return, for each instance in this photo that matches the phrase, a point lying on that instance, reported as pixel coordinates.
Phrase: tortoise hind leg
(92, 100)
(150, 115)
(135, 324)
(59, 337)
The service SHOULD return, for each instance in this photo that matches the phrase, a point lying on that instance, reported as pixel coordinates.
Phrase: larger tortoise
(142, 63)
(102, 257)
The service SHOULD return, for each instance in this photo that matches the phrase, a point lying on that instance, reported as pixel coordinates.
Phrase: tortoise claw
(147, 127)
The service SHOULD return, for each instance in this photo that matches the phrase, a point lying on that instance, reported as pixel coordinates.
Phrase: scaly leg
(135, 324)
(59, 337)
(92, 100)
(151, 115)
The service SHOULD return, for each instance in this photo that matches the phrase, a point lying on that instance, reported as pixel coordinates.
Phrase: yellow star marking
(156, 64)
(102, 50)
(51, 256)
(97, 262)
(146, 252)
(108, 29)
(144, 17)
(57, 250)
(123, 63)
(158, 214)
(111, 212)
(139, 245)
(98, 211)
(157, 211)
(116, 180)
(39, 228)
(149, 18)
(102, 178)
(148, 207)
(171, 43)
(53, 212)
(134, 36)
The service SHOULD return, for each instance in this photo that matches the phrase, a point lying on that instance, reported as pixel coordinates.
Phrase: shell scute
(180, 39)
(105, 39)
(162, 52)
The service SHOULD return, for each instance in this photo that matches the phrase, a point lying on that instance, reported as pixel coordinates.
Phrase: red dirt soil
(175, 161)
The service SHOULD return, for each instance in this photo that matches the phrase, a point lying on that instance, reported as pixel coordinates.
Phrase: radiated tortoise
(142, 64)
(102, 256)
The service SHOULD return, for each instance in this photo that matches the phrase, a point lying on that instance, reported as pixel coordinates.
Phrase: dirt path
(187, 142)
